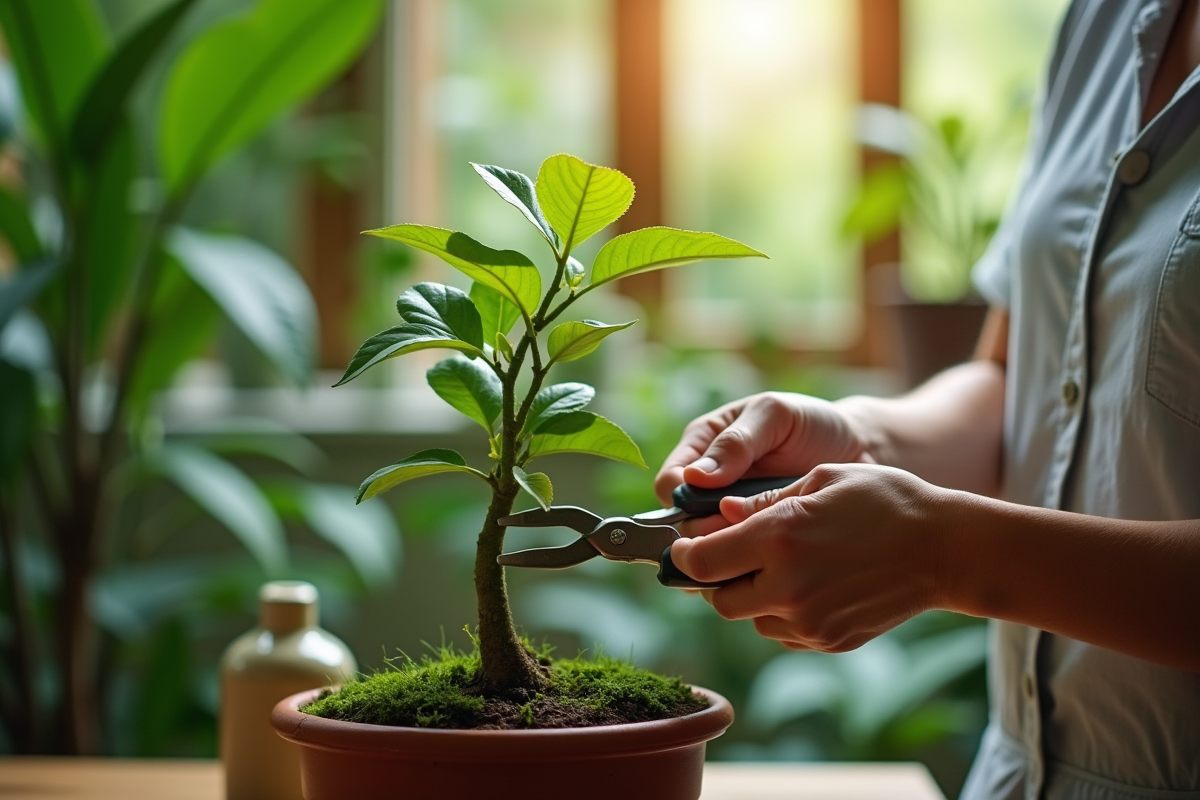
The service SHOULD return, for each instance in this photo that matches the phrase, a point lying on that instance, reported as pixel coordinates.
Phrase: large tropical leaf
(19, 290)
(18, 415)
(579, 198)
(585, 432)
(17, 228)
(418, 465)
(470, 386)
(260, 293)
(112, 231)
(517, 189)
(241, 73)
(658, 248)
(443, 308)
(398, 341)
(556, 400)
(572, 340)
(508, 272)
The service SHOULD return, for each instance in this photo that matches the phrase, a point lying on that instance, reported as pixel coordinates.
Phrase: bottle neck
(279, 618)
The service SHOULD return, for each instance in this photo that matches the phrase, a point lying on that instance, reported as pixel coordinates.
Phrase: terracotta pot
(663, 759)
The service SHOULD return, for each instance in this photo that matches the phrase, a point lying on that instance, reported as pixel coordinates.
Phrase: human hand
(835, 559)
(759, 436)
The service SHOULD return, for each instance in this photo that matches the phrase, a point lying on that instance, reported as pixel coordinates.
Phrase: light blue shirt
(1098, 263)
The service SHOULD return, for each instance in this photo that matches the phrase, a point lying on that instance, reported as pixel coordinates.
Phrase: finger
(719, 556)
(742, 599)
(702, 526)
(740, 509)
(696, 438)
(758, 430)
(774, 627)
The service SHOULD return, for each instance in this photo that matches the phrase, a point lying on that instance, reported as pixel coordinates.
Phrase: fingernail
(706, 464)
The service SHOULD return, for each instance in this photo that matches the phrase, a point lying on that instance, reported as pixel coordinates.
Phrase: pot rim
(474, 745)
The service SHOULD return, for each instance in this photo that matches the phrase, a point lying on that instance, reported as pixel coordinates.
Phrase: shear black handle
(673, 576)
(699, 502)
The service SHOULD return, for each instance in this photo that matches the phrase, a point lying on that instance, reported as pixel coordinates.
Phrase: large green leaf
(579, 198)
(398, 341)
(471, 387)
(658, 248)
(229, 496)
(556, 400)
(112, 231)
(260, 293)
(102, 109)
(17, 228)
(496, 312)
(57, 47)
(572, 340)
(537, 484)
(508, 272)
(443, 308)
(18, 415)
(418, 465)
(517, 189)
(20, 290)
(237, 76)
(585, 432)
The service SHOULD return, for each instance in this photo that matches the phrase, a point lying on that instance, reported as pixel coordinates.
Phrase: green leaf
(508, 272)
(585, 432)
(659, 248)
(229, 496)
(398, 341)
(537, 484)
(442, 308)
(57, 47)
(579, 198)
(238, 75)
(572, 273)
(881, 201)
(17, 228)
(504, 347)
(572, 340)
(112, 232)
(496, 312)
(554, 401)
(18, 415)
(258, 291)
(21, 289)
(471, 387)
(418, 465)
(102, 109)
(366, 533)
(517, 190)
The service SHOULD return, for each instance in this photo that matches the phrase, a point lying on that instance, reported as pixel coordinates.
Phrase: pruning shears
(642, 538)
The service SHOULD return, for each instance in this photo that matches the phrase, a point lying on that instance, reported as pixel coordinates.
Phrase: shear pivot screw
(617, 536)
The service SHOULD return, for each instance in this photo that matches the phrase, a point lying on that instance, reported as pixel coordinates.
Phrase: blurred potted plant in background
(944, 190)
(108, 295)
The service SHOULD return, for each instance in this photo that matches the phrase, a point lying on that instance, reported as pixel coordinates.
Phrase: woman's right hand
(763, 435)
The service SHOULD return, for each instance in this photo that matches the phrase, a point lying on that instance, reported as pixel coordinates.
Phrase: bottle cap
(285, 606)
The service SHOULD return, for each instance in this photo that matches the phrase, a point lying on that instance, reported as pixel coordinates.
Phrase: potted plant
(498, 380)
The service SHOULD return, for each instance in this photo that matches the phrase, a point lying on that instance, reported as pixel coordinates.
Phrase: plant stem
(24, 717)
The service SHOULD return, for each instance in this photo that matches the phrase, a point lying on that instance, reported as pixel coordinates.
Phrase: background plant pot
(663, 759)
(926, 338)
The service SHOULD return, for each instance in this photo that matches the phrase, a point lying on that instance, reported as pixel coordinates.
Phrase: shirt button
(1027, 686)
(1133, 167)
(1070, 392)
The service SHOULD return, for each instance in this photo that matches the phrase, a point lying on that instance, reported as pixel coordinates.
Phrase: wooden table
(120, 779)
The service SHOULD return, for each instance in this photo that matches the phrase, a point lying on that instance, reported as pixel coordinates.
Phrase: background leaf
(508, 272)
(660, 247)
(398, 341)
(236, 77)
(230, 497)
(537, 484)
(516, 189)
(572, 340)
(112, 230)
(580, 198)
(18, 414)
(556, 400)
(471, 387)
(585, 432)
(21, 289)
(496, 312)
(260, 293)
(418, 465)
(17, 228)
(442, 307)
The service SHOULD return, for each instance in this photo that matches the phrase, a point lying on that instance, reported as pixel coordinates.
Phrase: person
(1081, 410)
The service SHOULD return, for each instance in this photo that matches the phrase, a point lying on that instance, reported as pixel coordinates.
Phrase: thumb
(731, 453)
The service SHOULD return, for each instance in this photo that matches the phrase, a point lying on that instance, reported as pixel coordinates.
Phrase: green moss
(437, 693)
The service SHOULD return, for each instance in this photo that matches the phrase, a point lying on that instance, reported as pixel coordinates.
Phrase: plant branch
(25, 718)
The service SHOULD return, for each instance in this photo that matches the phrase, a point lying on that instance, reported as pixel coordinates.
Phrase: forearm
(1133, 587)
(947, 431)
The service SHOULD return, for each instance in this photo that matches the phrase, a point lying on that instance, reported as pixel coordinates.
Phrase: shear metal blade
(662, 516)
(573, 517)
(569, 555)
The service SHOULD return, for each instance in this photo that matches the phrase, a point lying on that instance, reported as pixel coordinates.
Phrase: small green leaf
(508, 272)
(572, 340)
(443, 308)
(537, 484)
(579, 198)
(471, 387)
(17, 228)
(554, 401)
(497, 313)
(572, 273)
(418, 465)
(504, 347)
(517, 190)
(398, 341)
(585, 432)
(659, 248)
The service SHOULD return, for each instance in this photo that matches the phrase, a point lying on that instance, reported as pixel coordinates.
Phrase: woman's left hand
(834, 560)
